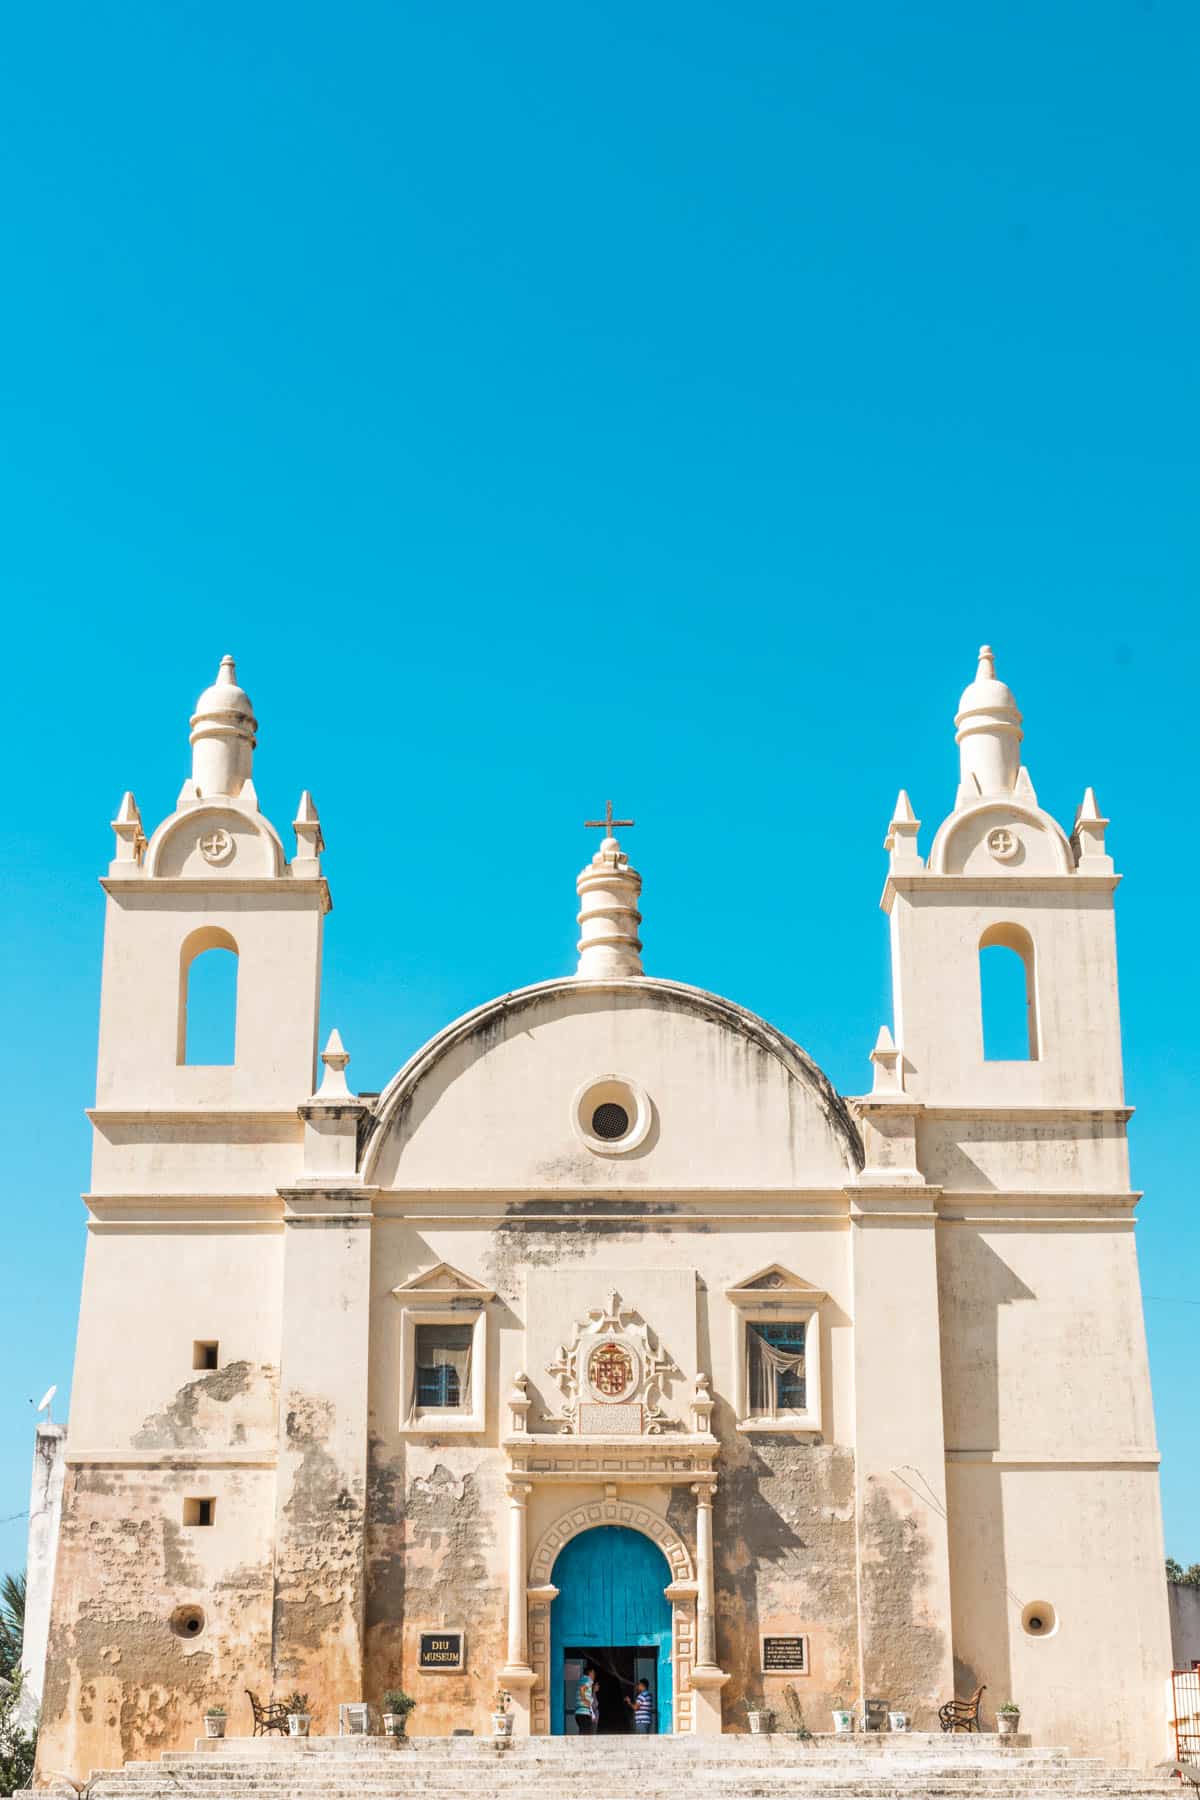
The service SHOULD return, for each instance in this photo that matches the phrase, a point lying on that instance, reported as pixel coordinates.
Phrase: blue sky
(550, 402)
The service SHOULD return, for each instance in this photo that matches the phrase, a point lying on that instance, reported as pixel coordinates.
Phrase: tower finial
(608, 917)
(223, 728)
(989, 734)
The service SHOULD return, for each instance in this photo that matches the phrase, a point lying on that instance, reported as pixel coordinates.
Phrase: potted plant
(502, 1714)
(899, 1721)
(759, 1715)
(843, 1718)
(214, 1722)
(396, 1707)
(299, 1717)
(1008, 1719)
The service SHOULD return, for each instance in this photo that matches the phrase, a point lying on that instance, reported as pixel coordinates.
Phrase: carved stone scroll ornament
(611, 1375)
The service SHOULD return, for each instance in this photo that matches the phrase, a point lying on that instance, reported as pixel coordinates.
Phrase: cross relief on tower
(611, 1376)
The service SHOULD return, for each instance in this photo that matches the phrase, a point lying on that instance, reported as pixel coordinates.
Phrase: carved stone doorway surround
(614, 1467)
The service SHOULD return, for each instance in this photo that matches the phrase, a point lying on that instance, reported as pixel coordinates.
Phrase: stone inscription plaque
(785, 1656)
(611, 1421)
(441, 1650)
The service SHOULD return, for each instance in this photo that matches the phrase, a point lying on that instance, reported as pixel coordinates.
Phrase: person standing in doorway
(643, 1708)
(587, 1703)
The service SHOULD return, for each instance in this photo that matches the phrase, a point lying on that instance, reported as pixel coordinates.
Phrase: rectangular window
(443, 1367)
(775, 1367)
(200, 1512)
(204, 1354)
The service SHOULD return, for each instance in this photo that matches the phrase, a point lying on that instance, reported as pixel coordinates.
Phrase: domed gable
(611, 1085)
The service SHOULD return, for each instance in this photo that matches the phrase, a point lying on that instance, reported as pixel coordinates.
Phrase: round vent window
(187, 1621)
(610, 1120)
(611, 1115)
(1039, 1619)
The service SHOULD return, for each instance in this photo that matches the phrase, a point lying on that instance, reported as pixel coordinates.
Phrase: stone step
(953, 1781)
(753, 1790)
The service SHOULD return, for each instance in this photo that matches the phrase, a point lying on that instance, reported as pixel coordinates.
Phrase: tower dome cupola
(222, 739)
(989, 732)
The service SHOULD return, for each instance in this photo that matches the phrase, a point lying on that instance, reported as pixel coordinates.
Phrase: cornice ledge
(191, 1115)
(885, 1202)
(277, 885)
(923, 880)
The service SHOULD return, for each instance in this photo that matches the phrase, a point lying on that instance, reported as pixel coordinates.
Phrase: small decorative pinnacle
(131, 839)
(335, 1057)
(309, 838)
(889, 1073)
(901, 839)
(1087, 839)
(987, 664)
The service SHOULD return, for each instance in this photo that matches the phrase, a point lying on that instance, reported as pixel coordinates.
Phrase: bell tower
(212, 878)
(1003, 875)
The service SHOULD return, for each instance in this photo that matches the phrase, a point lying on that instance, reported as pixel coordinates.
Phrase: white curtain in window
(766, 1363)
(429, 1353)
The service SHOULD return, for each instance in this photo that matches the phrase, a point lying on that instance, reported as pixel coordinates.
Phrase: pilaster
(905, 1647)
(317, 1628)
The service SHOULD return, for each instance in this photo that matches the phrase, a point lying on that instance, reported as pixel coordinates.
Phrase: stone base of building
(779, 1767)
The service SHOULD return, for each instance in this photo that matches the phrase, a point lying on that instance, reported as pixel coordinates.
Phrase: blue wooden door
(610, 1585)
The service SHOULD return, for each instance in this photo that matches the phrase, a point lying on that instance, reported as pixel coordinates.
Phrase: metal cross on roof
(607, 823)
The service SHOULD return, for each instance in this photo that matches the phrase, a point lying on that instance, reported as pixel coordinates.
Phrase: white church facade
(609, 1332)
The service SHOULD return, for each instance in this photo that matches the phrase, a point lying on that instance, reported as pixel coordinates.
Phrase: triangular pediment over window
(443, 1282)
(775, 1283)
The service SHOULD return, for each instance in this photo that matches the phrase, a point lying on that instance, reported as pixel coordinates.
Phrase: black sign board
(441, 1650)
(785, 1655)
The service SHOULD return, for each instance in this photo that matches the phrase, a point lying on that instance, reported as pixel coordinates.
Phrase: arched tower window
(208, 971)
(1008, 993)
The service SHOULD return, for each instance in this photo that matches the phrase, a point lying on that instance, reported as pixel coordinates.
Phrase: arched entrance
(611, 1609)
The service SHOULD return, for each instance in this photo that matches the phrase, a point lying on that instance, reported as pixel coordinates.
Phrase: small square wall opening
(200, 1511)
(205, 1353)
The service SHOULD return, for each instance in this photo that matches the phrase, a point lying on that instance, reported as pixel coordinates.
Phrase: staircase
(914, 1766)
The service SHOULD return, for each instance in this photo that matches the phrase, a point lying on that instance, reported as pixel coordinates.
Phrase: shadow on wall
(975, 1282)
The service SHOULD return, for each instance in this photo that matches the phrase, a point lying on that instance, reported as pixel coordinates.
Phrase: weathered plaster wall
(120, 1682)
(149, 1431)
(784, 1531)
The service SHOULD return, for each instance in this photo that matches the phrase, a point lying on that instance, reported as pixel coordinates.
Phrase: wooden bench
(272, 1717)
(961, 1715)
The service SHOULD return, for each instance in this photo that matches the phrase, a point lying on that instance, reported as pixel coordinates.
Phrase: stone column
(317, 1638)
(905, 1646)
(706, 1625)
(516, 1674)
(707, 1677)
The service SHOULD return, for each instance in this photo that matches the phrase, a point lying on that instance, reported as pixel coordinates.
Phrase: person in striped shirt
(643, 1707)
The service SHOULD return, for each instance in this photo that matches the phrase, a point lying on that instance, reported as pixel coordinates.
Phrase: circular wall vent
(610, 1120)
(611, 1115)
(1039, 1619)
(187, 1621)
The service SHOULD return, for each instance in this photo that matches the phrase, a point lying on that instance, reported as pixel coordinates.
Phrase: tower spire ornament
(988, 735)
(222, 739)
(608, 917)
